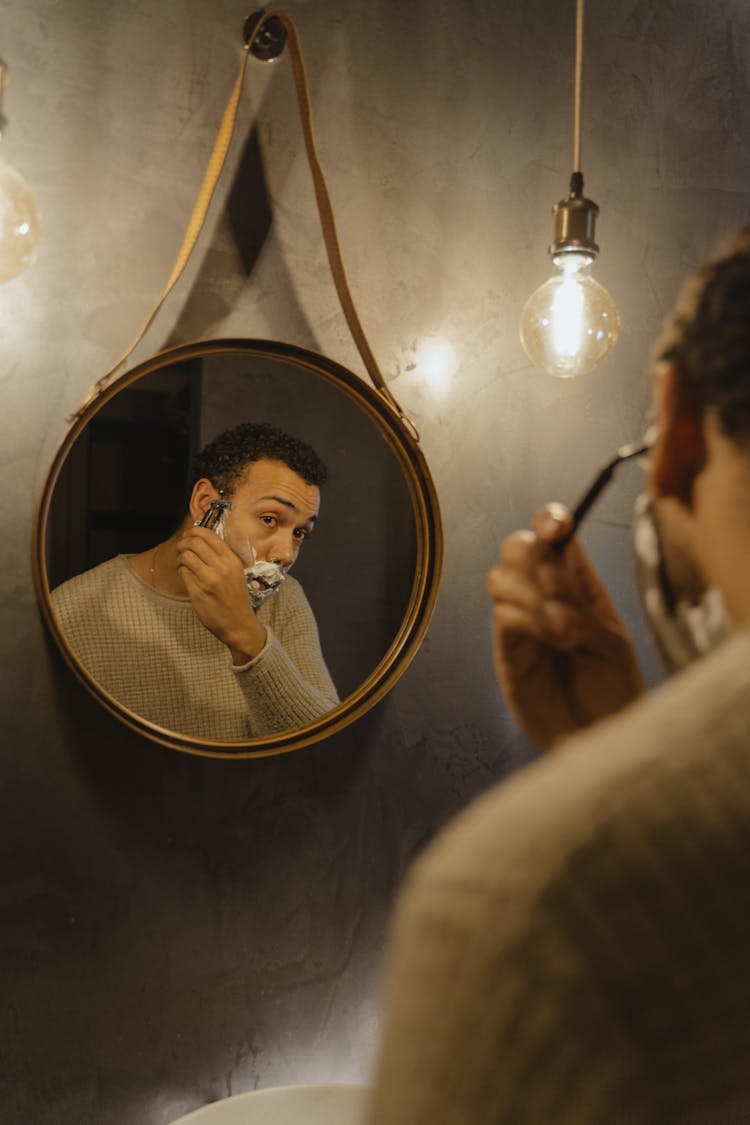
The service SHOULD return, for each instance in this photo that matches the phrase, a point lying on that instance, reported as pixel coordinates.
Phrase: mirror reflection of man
(205, 634)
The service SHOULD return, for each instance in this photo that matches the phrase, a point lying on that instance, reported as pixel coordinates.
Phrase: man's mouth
(263, 580)
(267, 585)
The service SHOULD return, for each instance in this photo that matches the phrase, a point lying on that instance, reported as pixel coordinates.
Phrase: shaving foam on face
(262, 578)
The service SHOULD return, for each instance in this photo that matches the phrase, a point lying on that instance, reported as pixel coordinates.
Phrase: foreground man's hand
(563, 657)
(215, 582)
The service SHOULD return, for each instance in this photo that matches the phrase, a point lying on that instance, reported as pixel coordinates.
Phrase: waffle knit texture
(574, 949)
(152, 654)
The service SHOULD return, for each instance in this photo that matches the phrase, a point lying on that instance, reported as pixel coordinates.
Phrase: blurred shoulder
(647, 768)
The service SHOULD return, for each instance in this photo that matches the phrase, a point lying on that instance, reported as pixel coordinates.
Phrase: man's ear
(678, 454)
(200, 499)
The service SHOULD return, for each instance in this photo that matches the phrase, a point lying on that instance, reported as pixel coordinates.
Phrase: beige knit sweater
(575, 948)
(153, 655)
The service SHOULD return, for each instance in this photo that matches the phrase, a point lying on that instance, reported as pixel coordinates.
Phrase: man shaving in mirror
(574, 949)
(205, 634)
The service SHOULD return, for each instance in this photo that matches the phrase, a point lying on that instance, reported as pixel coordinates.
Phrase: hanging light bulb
(19, 224)
(571, 322)
(19, 219)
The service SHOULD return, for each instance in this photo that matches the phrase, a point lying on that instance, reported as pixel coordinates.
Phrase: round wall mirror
(367, 578)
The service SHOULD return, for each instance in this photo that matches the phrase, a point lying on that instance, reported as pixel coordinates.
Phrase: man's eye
(301, 533)
(269, 521)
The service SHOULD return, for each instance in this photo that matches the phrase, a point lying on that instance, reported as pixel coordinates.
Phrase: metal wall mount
(268, 41)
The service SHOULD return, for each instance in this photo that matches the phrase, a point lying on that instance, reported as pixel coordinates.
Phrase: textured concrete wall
(175, 930)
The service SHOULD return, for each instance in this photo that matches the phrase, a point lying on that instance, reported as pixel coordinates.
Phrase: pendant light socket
(575, 221)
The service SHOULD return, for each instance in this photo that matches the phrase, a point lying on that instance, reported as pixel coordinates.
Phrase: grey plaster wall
(173, 929)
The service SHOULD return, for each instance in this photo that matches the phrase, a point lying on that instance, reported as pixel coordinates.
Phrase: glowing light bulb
(570, 322)
(19, 224)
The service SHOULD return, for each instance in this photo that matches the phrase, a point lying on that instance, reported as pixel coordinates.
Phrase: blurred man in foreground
(573, 949)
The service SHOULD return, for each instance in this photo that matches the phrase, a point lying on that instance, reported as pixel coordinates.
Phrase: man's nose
(283, 549)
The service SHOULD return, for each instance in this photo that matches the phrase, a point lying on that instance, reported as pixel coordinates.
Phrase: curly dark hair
(225, 459)
(708, 336)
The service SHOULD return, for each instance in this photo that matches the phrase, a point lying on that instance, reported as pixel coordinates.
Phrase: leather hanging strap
(327, 221)
(325, 211)
(194, 227)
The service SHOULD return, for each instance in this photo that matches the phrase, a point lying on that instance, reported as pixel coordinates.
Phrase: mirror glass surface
(369, 573)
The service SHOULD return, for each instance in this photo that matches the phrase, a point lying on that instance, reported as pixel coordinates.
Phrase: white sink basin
(286, 1105)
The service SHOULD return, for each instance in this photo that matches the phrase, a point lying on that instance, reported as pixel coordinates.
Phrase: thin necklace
(153, 566)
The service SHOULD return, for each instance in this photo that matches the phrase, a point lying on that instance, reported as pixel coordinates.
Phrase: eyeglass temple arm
(591, 495)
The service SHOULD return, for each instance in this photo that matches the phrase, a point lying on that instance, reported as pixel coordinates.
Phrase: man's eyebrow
(287, 504)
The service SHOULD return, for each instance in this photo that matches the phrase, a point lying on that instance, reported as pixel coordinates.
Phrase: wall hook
(268, 40)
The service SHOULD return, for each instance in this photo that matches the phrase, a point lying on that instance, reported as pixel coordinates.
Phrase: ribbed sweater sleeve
(288, 684)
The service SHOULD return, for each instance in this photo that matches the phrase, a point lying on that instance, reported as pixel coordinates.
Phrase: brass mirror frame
(429, 553)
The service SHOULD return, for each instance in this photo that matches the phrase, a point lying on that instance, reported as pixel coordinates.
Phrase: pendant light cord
(577, 95)
(325, 213)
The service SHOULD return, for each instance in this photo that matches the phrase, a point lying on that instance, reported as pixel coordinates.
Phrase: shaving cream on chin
(683, 628)
(262, 578)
